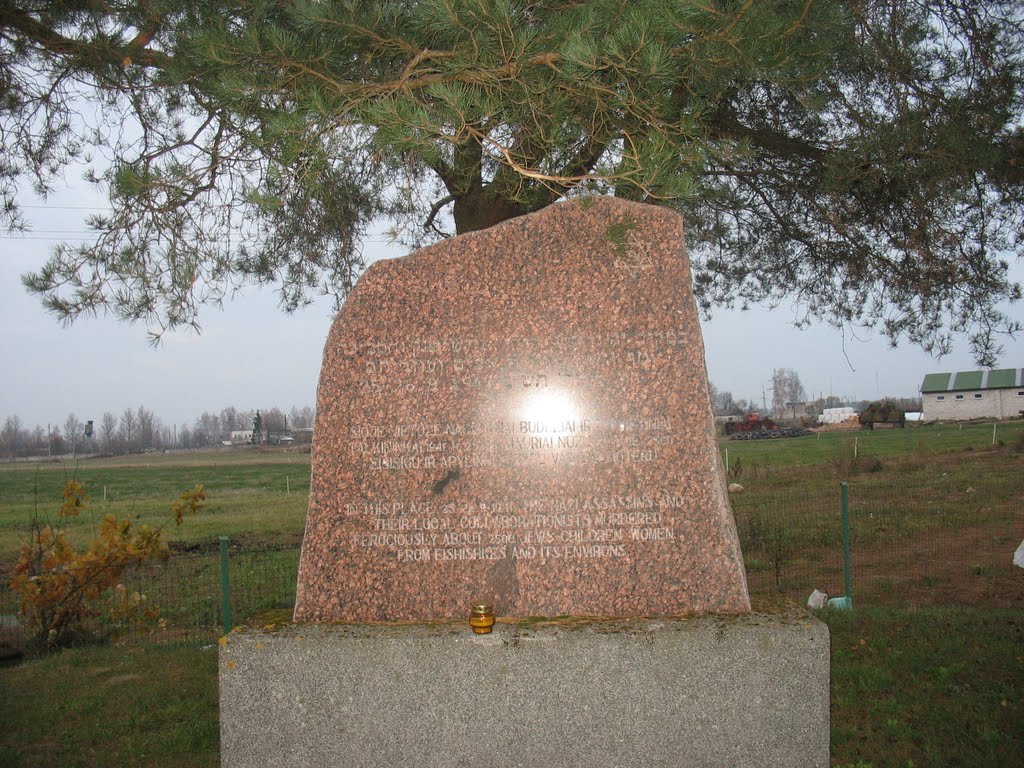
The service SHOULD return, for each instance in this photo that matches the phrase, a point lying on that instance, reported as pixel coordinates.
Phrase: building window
(940, 397)
(1020, 394)
(977, 395)
(959, 397)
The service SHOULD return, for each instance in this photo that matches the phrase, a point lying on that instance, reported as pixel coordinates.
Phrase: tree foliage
(882, 412)
(862, 157)
(787, 389)
(724, 404)
(74, 433)
(256, 438)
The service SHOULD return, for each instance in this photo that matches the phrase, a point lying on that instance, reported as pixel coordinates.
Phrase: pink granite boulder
(521, 416)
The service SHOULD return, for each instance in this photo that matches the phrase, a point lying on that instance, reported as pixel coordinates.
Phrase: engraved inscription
(547, 527)
(536, 416)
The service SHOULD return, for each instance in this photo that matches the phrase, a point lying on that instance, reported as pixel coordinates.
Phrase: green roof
(1003, 378)
(936, 382)
(967, 380)
(960, 381)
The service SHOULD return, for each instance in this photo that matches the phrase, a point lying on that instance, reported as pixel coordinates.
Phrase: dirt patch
(969, 566)
(843, 426)
(244, 543)
(963, 566)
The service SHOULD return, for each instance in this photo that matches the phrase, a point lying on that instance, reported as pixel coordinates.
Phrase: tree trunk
(481, 209)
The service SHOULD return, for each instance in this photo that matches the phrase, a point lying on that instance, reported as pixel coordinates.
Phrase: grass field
(836, 447)
(936, 512)
(252, 497)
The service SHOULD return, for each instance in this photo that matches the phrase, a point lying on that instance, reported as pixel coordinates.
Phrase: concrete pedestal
(750, 690)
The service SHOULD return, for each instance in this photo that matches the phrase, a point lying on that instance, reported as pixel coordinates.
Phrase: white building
(992, 394)
(836, 415)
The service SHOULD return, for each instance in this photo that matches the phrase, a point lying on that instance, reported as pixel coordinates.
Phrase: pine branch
(27, 27)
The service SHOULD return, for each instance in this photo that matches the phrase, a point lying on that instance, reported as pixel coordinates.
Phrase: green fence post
(844, 491)
(225, 585)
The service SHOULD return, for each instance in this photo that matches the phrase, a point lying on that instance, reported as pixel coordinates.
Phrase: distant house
(240, 436)
(993, 394)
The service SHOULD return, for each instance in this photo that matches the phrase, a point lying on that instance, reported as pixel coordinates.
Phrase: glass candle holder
(482, 618)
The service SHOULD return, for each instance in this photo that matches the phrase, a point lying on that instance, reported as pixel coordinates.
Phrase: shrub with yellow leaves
(62, 588)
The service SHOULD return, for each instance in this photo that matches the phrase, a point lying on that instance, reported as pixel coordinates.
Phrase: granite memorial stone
(521, 416)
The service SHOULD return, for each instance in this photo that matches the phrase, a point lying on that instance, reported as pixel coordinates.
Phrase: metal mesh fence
(187, 591)
(791, 544)
(950, 543)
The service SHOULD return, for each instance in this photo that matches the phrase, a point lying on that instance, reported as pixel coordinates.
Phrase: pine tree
(863, 157)
(257, 429)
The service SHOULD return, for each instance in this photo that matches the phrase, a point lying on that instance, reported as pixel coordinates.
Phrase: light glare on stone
(551, 409)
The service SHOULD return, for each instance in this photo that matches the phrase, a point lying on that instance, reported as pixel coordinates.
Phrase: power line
(35, 232)
(15, 237)
(65, 207)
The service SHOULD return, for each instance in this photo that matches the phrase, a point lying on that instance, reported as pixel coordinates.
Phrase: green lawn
(106, 706)
(838, 455)
(941, 687)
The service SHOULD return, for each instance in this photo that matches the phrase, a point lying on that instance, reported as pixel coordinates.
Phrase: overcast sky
(252, 355)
